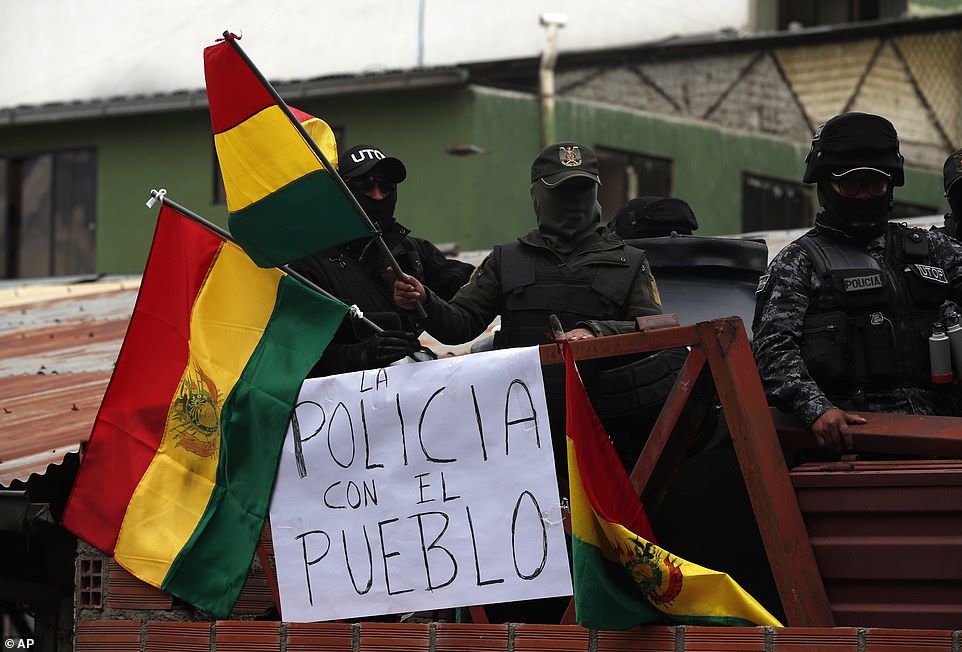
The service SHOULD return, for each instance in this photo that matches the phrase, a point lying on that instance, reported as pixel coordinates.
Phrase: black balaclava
(860, 219)
(379, 210)
(566, 217)
(955, 203)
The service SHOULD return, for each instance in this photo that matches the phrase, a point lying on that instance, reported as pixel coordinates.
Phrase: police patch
(859, 283)
(930, 273)
(762, 282)
(570, 155)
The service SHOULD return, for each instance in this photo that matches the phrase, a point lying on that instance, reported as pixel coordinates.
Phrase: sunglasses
(851, 186)
(367, 183)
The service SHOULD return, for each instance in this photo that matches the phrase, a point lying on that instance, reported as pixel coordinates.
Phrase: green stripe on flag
(607, 597)
(223, 544)
(301, 219)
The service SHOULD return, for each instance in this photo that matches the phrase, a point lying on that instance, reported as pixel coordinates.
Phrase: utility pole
(552, 22)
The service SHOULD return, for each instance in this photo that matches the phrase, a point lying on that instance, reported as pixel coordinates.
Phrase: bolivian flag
(622, 579)
(283, 204)
(177, 475)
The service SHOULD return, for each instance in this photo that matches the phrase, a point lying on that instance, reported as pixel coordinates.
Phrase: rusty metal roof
(58, 344)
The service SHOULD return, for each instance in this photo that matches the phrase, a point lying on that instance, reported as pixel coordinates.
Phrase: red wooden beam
(905, 434)
(673, 432)
(762, 463)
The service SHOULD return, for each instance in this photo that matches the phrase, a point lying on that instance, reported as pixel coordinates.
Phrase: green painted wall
(475, 200)
(134, 154)
(708, 162)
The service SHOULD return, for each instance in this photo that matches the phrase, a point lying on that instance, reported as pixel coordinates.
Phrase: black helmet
(652, 217)
(854, 141)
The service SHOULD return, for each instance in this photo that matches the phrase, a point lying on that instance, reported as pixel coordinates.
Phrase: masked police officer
(357, 272)
(843, 313)
(570, 265)
(951, 174)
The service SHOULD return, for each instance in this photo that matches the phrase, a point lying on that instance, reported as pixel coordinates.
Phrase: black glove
(385, 347)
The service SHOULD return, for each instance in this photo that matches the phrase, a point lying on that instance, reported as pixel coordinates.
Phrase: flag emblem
(657, 574)
(196, 414)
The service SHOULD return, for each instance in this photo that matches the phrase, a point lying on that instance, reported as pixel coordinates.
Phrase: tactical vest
(534, 286)
(869, 326)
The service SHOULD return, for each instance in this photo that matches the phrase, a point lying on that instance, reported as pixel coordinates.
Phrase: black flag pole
(232, 39)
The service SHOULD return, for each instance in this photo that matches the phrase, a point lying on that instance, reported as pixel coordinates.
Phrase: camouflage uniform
(792, 289)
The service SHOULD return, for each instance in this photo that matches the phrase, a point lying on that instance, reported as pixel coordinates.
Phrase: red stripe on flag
(233, 90)
(130, 424)
(605, 481)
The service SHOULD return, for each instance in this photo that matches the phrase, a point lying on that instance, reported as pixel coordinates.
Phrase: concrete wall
(715, 116)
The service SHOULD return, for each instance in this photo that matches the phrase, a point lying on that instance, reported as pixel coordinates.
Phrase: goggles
(369, 181)
(852, 185)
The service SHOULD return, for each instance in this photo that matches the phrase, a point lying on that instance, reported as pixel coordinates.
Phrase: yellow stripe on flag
(260, 156)
(686, 588)
(228, 319)
(583, 522)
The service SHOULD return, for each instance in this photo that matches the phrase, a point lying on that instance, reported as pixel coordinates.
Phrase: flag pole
(161, 196)
(232, 39)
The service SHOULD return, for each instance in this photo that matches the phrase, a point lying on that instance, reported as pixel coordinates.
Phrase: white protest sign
(419, 487)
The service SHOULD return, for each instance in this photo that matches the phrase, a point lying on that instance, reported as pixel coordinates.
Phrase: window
(811, 13)
(220, 194)
(625, 175)
(773, 204)
(48, 214)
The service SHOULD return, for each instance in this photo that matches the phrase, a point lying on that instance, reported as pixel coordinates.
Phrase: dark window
(811, 13)
(220, 195)
(773, 204)
(625, 175)
(48, 214)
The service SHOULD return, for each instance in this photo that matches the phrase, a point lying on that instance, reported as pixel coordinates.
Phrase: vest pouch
(876, 354)
(823, 347)
(928, 285)
(638, 385)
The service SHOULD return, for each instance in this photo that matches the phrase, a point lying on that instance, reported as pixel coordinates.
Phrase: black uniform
(356, 273)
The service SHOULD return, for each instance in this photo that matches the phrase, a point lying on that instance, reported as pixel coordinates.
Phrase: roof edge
(394, 80)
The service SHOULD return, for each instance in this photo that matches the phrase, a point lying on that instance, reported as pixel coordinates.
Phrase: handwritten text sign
(419, 487)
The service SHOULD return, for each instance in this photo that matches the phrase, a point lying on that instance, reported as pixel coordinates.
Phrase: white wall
(61, 50)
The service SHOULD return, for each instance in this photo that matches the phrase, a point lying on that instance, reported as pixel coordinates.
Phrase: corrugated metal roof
(58, 345)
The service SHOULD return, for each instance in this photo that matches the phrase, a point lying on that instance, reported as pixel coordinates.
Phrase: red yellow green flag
(282, 202)
(622, 579)
(177, 475)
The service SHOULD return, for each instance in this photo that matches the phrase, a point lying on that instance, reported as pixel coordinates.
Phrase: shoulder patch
(936, 274)
(762, 282)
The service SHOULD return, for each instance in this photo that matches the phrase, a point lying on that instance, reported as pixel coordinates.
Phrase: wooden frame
(719, 363)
